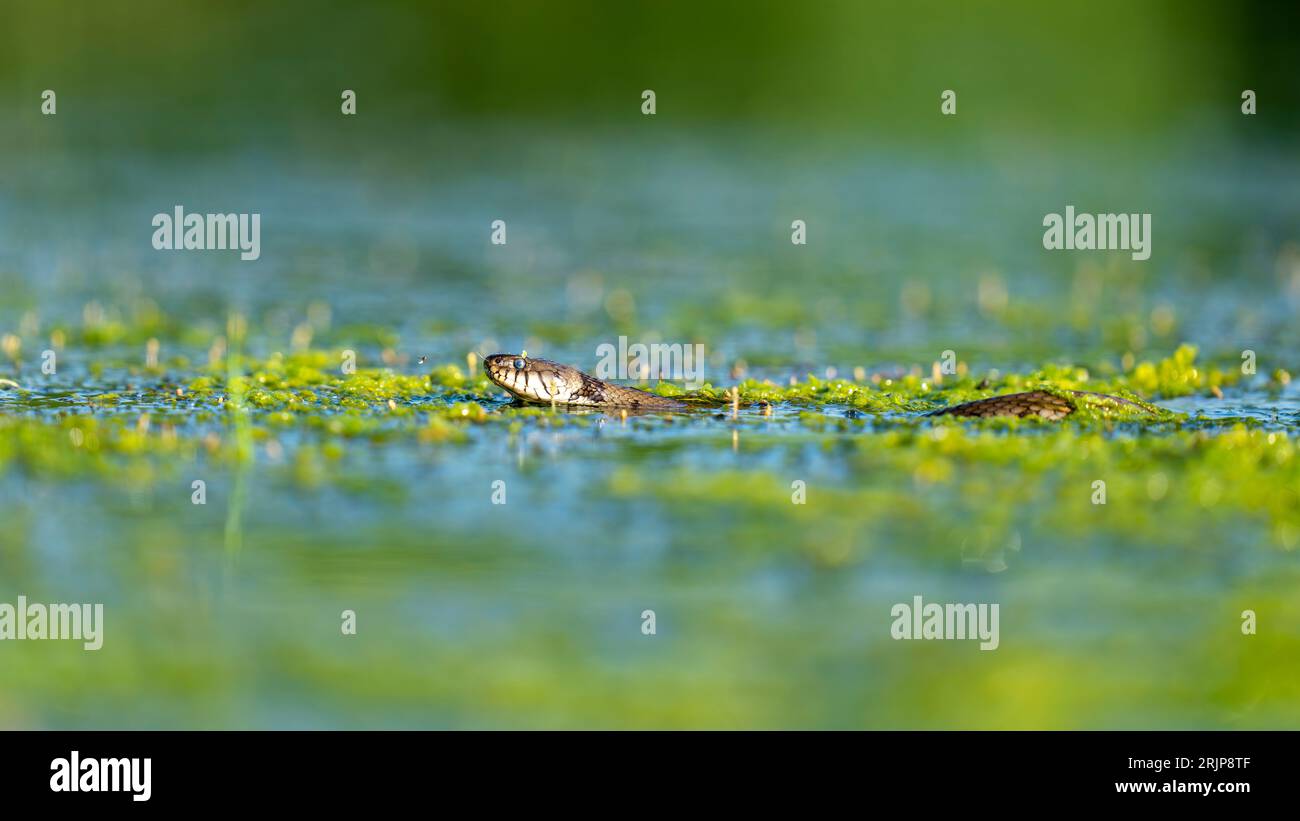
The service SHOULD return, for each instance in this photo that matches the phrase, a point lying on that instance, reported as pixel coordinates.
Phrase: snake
(542, 381)
(1043, 404)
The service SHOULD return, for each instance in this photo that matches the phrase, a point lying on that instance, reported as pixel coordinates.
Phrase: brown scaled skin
(547, 382)
(1031, 403)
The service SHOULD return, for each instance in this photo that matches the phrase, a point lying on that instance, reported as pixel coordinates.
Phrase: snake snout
(506, 370)
(498, 363)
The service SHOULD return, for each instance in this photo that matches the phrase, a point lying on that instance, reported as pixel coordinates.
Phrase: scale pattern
(546, 382)
(1031, 403)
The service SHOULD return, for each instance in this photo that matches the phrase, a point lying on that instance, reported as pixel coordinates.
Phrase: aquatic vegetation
(371, 487)
(229, 453)
(1175, 476)
(308, 391)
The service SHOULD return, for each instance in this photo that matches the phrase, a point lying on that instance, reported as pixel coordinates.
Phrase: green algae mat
(504, 557)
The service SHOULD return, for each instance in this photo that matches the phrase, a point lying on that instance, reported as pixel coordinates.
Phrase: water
(529, 613)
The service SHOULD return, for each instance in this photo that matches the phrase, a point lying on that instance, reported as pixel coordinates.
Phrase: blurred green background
(848, 67)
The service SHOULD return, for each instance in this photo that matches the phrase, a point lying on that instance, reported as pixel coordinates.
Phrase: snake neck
(542, 381)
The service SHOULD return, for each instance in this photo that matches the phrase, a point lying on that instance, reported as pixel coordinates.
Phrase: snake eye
(519, 364)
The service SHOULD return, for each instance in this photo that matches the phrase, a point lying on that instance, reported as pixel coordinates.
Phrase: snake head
(533, 380)
(503, 368)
